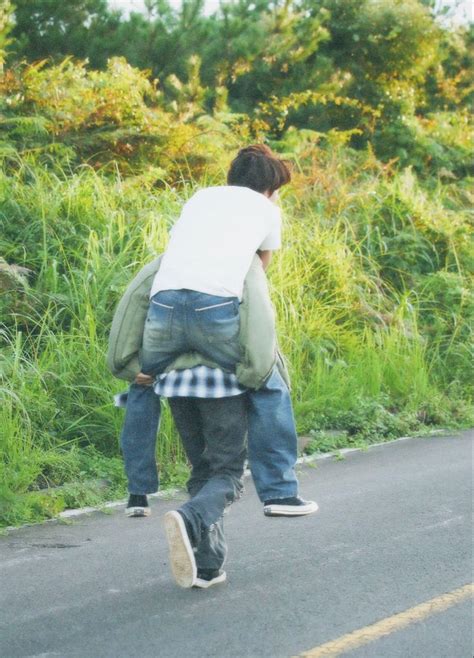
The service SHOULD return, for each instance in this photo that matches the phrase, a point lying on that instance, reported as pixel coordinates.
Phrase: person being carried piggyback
(194, 307)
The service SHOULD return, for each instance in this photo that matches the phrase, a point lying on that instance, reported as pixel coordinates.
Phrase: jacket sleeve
(258, 341)
(126, 333)
(257, 329)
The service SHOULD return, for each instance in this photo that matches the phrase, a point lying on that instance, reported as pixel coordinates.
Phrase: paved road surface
(393, 532)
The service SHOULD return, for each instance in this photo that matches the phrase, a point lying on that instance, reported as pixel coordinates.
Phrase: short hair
(258, 168)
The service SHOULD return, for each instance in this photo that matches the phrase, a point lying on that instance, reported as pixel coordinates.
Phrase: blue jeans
(272, 439)
(180, 321)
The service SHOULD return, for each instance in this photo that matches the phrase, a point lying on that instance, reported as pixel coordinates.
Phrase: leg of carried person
(213, 433)
(273, 447)
(138, 442)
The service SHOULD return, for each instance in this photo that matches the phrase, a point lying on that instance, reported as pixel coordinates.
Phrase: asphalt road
(393, 531)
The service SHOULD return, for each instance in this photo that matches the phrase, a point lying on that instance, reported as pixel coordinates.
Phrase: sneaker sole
(204, 584)
(137, 511)
(290, 510)
(183, 564)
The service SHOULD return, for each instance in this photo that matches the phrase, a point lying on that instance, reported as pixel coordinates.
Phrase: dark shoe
(294, 506)
(183, 564)
(208, 577)
(137, 506)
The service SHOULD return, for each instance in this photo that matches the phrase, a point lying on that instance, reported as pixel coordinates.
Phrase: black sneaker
(294, 506)
(137, 506)
(183, 563)
(208, 577)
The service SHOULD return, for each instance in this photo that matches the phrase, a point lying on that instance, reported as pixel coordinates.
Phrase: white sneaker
(183, 564)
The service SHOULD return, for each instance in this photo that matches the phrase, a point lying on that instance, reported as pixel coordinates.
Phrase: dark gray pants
(213, 432)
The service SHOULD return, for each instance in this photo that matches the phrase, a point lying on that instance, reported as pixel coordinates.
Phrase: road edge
(169, 494)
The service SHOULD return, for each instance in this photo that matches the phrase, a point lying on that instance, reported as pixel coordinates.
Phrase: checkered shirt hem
(198, 382)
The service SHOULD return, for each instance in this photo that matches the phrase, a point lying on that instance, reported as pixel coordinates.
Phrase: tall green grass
(370, 349)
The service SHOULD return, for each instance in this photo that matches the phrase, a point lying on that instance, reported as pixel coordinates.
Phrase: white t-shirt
(213, 242)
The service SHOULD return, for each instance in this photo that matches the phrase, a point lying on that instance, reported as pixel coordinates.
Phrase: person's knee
(231, 468)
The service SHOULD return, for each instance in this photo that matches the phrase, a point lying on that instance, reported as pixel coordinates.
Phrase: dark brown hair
(258, 167)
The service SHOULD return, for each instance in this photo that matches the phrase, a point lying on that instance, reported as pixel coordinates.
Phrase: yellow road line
(387, 626)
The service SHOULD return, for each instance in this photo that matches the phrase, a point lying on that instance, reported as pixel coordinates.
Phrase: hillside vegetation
(373, 287)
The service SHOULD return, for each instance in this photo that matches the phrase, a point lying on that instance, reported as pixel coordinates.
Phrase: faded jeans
(213, 432)
(272, 439)
(180, 321)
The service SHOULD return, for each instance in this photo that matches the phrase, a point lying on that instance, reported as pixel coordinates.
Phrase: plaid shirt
(198, 382)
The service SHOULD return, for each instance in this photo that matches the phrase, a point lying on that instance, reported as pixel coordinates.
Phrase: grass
(375, 327)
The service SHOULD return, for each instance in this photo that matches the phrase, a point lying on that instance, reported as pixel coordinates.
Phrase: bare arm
(265, 256)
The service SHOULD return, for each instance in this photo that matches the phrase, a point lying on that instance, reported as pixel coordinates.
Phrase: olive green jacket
(257, 330)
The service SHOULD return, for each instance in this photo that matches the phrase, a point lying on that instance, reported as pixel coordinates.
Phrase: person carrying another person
(194, 308)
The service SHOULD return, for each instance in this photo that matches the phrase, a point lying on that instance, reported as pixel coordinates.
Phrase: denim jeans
(213, 432)
(272, 440)
(180, 321)
(138, 439)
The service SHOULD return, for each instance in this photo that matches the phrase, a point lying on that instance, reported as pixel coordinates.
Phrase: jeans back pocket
(220, 321)
(159, 321)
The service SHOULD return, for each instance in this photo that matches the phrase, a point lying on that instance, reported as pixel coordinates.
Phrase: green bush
(373, 288)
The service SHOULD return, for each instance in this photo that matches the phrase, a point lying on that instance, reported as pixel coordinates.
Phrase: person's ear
(274, 197)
